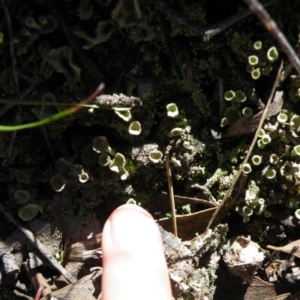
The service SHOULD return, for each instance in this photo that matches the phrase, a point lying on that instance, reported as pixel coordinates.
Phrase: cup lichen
(58, 182)
(135, 128)
(155, 156)
(172, 110)
(28, 212)
(247, 168)
(83, 177)
(255, 73)
(256, 160)
(22, 196)
(100, 144)
(253, 60)
(272, 54)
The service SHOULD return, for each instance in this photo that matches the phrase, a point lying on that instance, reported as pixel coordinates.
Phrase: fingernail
(131, 228)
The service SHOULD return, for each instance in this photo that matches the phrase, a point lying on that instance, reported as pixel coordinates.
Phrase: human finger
(134, 265)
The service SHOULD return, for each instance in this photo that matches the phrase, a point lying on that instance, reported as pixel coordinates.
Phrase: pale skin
(134, 265)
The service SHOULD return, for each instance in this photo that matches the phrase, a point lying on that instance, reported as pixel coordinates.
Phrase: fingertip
(133, 257)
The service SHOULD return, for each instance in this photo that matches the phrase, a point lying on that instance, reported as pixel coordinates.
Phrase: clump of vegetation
(179, 88)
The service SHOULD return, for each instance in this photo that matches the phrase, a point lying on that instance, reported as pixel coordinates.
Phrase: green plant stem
(42, 122)
(62, 114)
(34, 102)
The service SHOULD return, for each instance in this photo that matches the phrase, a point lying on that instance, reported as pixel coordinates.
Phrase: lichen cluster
(261, 63)
(193, 90)
(274, 168)
(141, 51)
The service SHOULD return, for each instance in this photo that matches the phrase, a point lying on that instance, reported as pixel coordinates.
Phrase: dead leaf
(247, 125)
(263, 290)
(286, 296)
(87, 288)
(189, 225)
(161, 202)
(78, 233)
(75, 260)
(79, 240)
(292, 248)
(274, 269)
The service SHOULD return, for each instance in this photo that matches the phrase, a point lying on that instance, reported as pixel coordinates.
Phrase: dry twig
(271, 26)
(37, 243)
(229, 191)
(18, 118)
(206, 32)
(171, 195)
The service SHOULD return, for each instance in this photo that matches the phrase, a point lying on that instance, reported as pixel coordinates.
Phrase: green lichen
(28, 212)
(155, 156)
(135, 128)
(172, 110)
(22, 196)
(279, 163)
(61, 59)
(103, 32)
(58, 182)
(100, 144)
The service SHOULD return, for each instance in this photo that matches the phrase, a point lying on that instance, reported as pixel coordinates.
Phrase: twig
(38, 281)
(12, 49)
(211, 32)
(191, 200)
(242, 184)
(229, 191)
(206, 32)
(222, 104)
(15, 78)
(271, 26)
(171, 195)
(18, 120)
(288, 69)
(37, 243)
